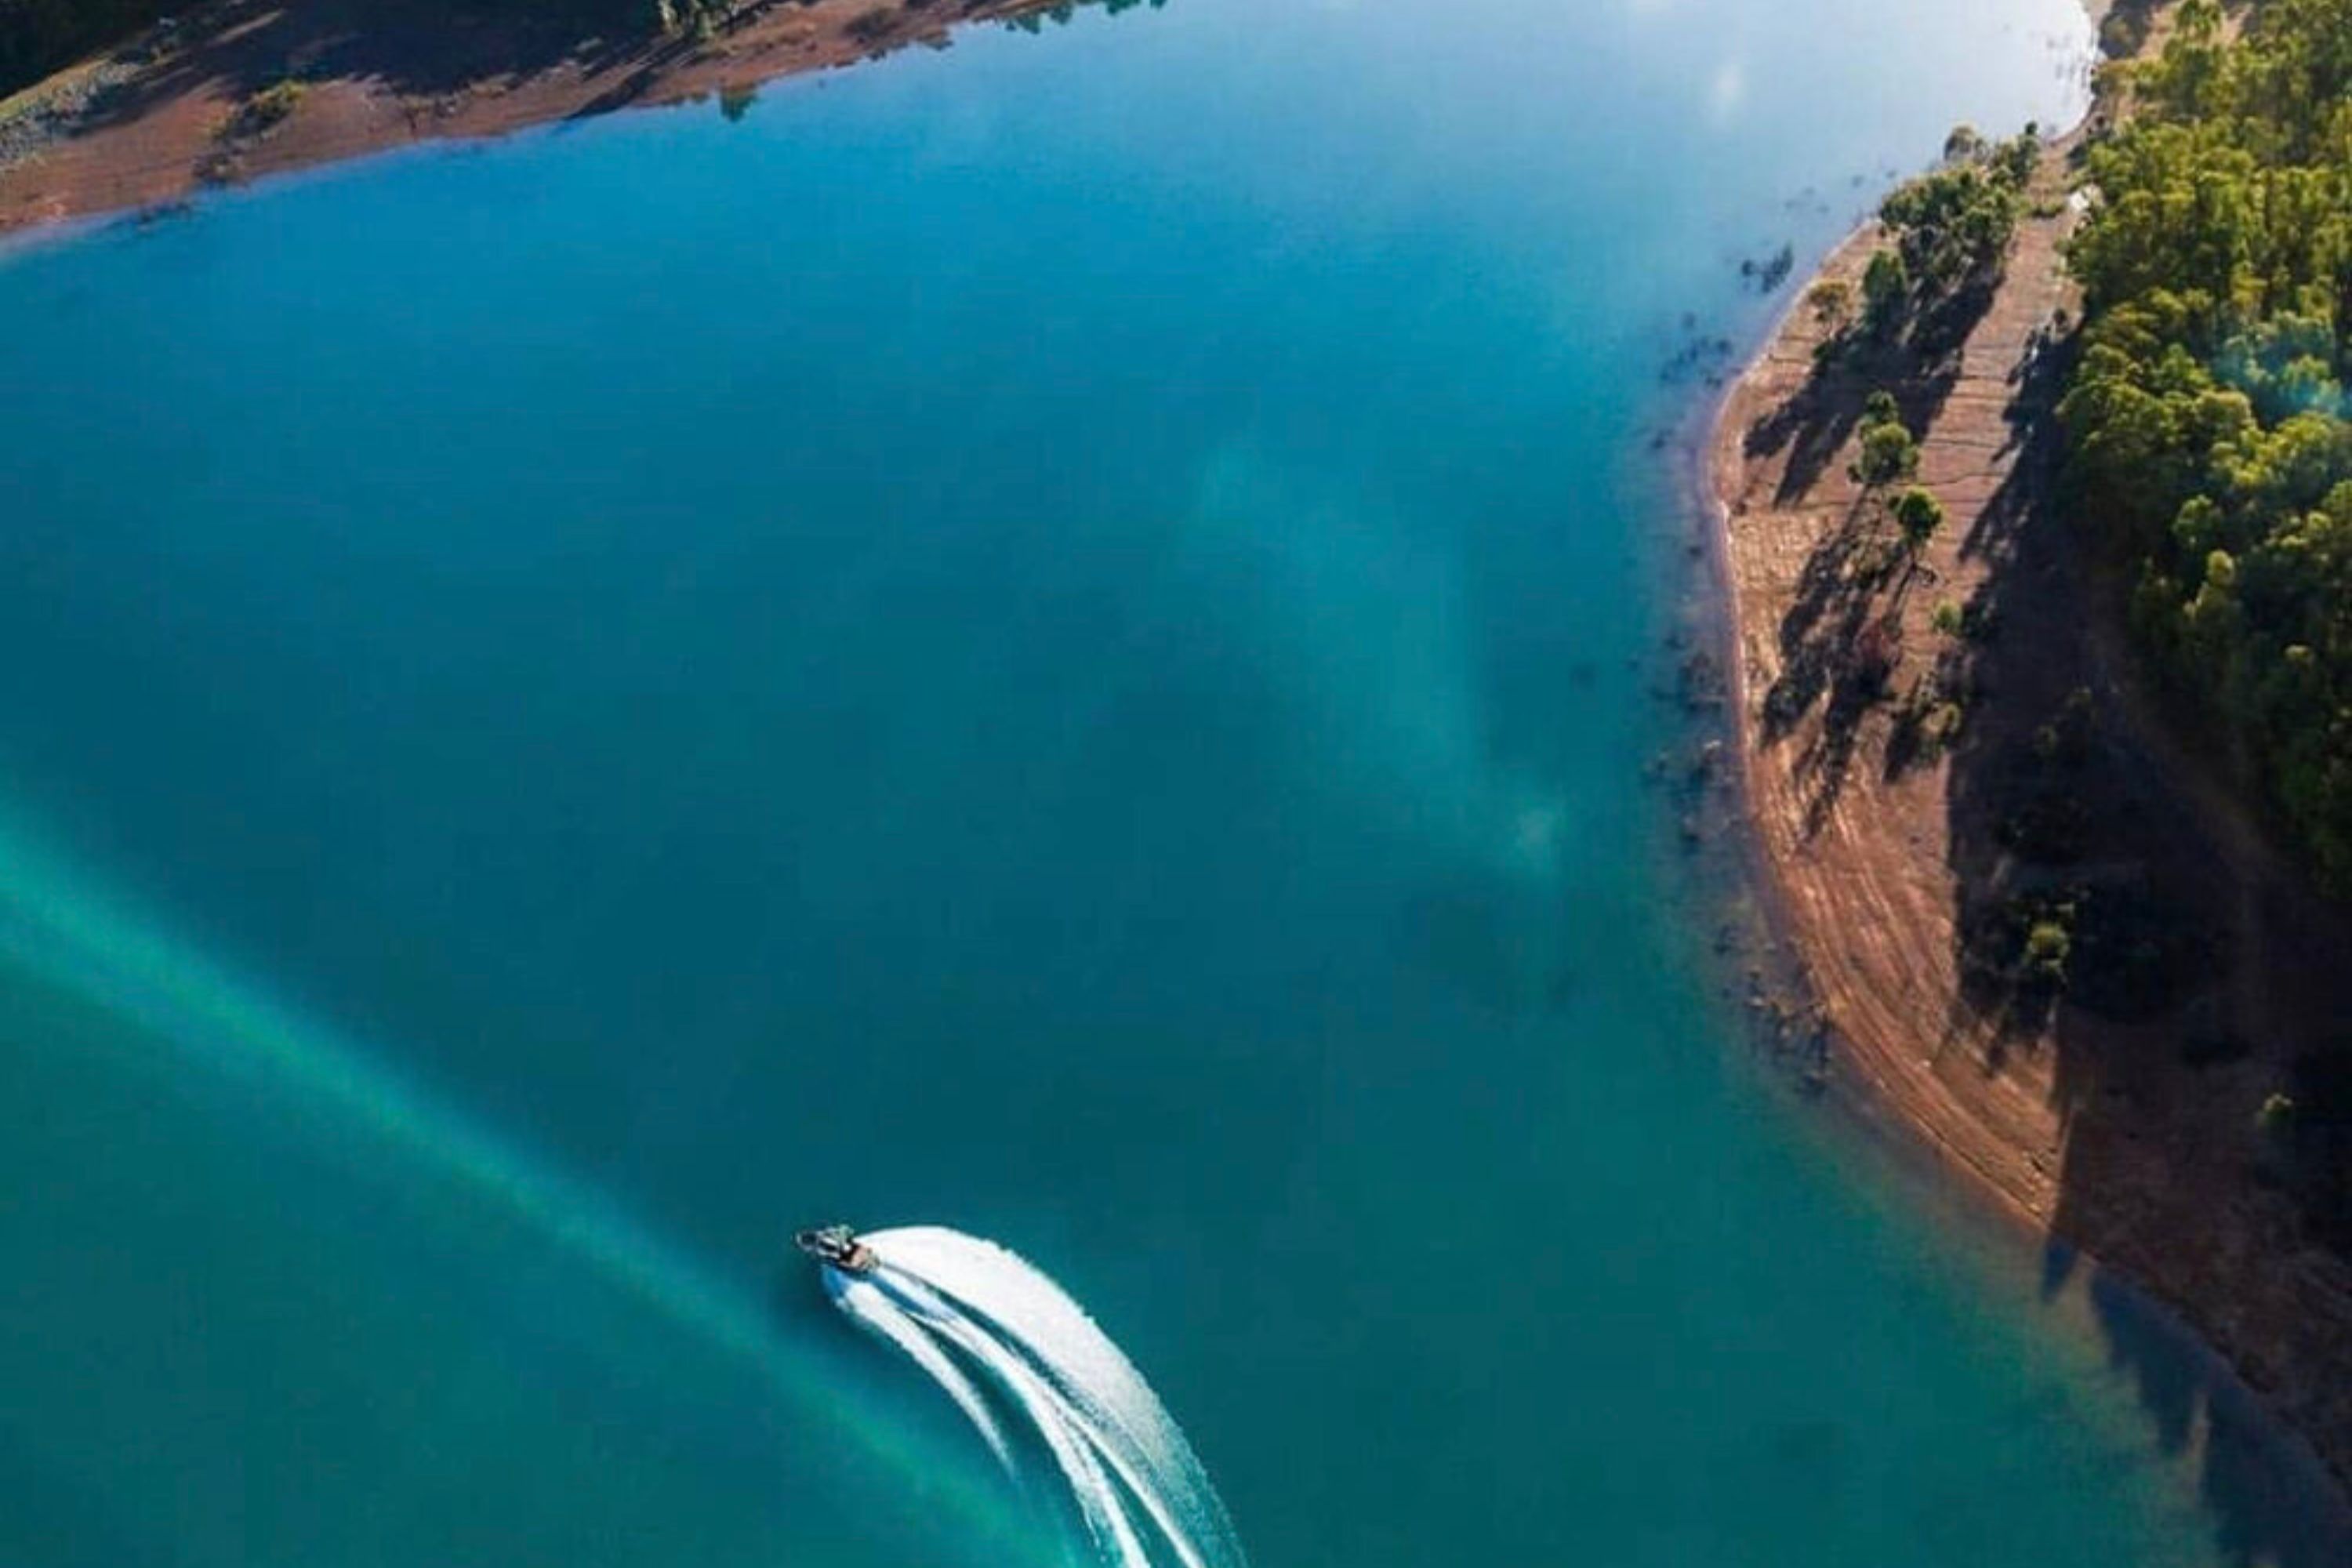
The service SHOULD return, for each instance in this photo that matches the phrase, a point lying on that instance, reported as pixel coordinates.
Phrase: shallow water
(1059, 639)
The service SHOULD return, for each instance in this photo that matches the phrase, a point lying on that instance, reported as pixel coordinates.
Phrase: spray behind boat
(1007, 1344)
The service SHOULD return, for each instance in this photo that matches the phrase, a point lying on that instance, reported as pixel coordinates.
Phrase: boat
(837, 1246)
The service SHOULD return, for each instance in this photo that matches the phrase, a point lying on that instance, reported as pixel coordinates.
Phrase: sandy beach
(2123, 1120)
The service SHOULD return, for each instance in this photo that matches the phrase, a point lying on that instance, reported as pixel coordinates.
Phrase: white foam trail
(916, 1320)
(1099, 1503)
(871, 1309)
(950, 1301)
(1098, 1392)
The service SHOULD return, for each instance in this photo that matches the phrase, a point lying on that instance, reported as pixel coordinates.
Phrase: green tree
(1889, 452)
(2048, 945)
(1831, 301)
(1886, 289)
(2205, 418)
(1919, 514)
(1953, 225)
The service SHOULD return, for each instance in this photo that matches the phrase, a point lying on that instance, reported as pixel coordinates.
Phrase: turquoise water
(1058, 638)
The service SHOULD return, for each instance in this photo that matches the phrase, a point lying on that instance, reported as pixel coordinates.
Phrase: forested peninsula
(2037, 516)
(2207, 443)
(38, 36)
(114, 104)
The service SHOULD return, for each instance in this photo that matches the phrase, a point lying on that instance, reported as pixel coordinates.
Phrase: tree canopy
(1918, 513)
(1955, 224)
(2206, 415)
(1888, 450)
(38, 36)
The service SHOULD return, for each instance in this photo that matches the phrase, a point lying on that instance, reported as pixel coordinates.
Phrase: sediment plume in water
(997, 1334)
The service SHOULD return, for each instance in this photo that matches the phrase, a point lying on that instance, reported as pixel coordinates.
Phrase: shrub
(1919, 514)
(1888, 453)
(1886, 289)
(269, 108)
(2048, 944)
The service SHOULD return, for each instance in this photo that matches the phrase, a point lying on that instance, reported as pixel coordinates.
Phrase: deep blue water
(1059, 638)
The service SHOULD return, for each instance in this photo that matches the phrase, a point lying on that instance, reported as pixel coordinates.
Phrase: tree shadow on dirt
(414, 48)
(1840, 639)
(2101, 930)
(2183, 986)
(1918, 365)
(430, 49)
(1837, 654)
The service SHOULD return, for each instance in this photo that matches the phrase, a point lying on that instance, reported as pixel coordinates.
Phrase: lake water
(1060, 639)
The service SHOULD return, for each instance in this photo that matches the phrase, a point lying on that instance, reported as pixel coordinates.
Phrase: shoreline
(2015, 1159)
(1902, 1056)
(241, 91)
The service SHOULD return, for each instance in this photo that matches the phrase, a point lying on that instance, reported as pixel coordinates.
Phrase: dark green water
(1059, 639)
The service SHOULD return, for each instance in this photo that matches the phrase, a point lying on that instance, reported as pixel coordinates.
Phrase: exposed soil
(1916, 823)
(201, 103)
(1923, 795)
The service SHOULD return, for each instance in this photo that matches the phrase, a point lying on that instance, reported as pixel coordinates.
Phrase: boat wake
(1003, 1341)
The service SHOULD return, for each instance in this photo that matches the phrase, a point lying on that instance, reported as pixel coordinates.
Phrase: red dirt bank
(2099, 1132)
(2130, 1127)
(175, 113)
